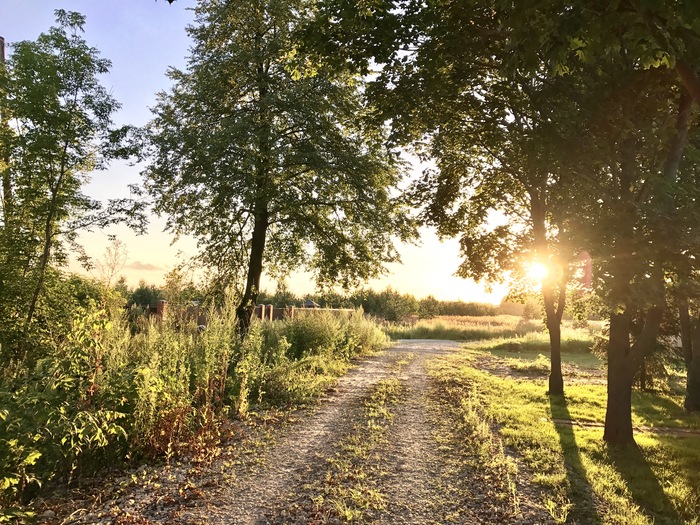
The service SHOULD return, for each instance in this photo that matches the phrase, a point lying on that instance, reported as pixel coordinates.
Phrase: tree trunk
(553, 308)
(686, 331)
(689, 79)
(244, 311)
(624, 361)
(692, 392)
(618, 416)
(41, 274)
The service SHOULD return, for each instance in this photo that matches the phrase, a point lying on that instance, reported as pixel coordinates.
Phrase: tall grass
(464, 328)
(510, 331)
(103, 394)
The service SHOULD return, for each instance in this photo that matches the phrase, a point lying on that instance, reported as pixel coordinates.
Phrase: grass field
(501, 382)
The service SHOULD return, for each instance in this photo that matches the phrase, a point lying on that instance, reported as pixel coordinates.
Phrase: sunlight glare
(537, 272)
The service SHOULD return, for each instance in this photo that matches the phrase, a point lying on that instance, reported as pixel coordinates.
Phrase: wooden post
(160, 309)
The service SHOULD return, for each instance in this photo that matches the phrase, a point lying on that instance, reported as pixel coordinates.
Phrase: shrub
(100, 394)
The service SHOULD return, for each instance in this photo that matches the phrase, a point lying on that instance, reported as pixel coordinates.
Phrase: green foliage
(388, 304)
(275, 146)
(460, 308)
(61, 131)
(531, 311)
(59, 417)
(100, 394)
(146, 294)
(313, 349)
(428, 307)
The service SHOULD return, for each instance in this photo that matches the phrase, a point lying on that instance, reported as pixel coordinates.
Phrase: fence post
(160, 309)
(271, 307)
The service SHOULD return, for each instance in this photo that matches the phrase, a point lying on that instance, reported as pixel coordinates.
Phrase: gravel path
(413, 465)
(277, 481)
(262, 494)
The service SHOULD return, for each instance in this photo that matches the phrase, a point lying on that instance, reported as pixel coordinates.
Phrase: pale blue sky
(143, 38)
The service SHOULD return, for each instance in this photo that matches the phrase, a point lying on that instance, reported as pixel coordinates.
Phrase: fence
(269, 312)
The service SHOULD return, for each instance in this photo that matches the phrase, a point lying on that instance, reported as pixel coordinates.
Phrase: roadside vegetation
(106, 390)
(495, 390)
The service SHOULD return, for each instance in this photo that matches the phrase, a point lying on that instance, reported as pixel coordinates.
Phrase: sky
(143, 38)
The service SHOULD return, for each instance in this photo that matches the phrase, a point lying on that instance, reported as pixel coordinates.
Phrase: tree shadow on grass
(643, 485)
(579, 491)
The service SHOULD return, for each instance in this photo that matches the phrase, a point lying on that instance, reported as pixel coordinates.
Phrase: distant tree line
(388, 304)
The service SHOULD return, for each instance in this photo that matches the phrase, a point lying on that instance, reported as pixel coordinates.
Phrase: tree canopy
(264, 155)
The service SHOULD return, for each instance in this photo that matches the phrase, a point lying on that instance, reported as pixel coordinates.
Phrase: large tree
(628, 54)
(56, 129)
(631, 55)
(497, 140)
(263, 155)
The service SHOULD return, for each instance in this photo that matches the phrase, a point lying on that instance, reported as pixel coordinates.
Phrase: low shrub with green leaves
(101, 393)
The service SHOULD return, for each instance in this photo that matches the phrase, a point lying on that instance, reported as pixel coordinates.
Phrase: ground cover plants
(464, 328)
(109, 391)
(499, 385)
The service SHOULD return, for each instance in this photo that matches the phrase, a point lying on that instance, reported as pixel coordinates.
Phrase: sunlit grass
(464, 328)
(584, 480)
(509, 330)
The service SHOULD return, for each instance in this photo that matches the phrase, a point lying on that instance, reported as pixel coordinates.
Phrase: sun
(536, 272)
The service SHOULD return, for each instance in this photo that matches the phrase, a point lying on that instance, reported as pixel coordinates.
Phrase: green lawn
(585, 481)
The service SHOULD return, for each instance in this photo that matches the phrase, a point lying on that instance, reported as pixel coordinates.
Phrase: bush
(101, 394)
(320, 347)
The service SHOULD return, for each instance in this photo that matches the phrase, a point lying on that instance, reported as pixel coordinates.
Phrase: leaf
(31, 458)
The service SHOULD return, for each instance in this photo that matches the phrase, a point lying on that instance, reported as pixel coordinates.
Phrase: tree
(112, 262)
(60, 132)
(480, 70)
(497, 139)
(636, 121)
(146, 294)
(262, 155)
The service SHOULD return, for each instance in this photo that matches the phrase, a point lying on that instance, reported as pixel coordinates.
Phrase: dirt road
(370, 452)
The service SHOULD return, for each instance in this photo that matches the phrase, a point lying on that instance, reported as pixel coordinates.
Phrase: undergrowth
(103, 395)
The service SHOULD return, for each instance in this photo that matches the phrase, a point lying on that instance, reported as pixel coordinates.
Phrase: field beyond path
(375, 450)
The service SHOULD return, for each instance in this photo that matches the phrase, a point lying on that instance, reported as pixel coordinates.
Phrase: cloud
(138, 265)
